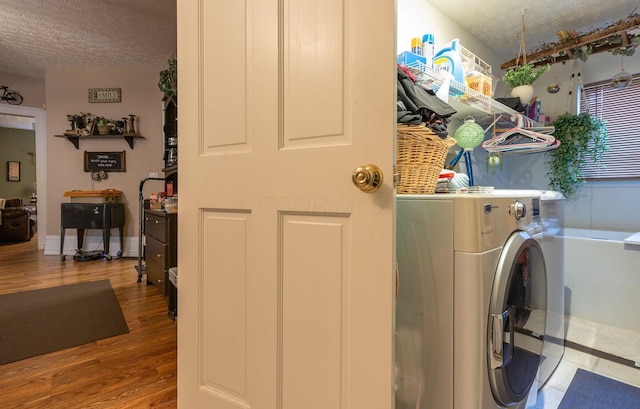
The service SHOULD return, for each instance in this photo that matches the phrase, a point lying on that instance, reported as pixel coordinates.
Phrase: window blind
(619, 109)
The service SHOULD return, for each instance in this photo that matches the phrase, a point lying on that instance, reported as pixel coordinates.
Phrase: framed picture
(105, 94)
(13, 171)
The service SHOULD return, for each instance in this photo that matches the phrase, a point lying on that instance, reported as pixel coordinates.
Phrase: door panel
(286, 269)
(223, 280)
(316, 72)
(314, 306)
(223, 39)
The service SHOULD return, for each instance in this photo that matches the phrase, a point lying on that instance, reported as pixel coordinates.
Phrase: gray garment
(417, 98)
(417, 104)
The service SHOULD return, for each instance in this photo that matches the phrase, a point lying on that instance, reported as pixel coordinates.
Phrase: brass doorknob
(367, 178)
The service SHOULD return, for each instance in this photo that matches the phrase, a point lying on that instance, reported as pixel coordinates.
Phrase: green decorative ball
(469, 134)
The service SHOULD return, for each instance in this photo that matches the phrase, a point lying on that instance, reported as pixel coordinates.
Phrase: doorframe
(41, 152)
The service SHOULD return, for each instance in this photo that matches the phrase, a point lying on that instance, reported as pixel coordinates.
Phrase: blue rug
(592, 391)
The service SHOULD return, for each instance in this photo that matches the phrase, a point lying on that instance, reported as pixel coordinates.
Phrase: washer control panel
(517, 209)
(526, 214)
(486, 222)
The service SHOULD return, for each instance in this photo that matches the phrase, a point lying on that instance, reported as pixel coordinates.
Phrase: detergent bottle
(448, 59)
(416, 45)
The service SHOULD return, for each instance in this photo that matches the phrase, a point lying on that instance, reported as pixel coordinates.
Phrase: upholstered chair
(16, 222)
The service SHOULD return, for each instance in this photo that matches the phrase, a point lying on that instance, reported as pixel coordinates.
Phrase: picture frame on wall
(105, 95)
(13, 171)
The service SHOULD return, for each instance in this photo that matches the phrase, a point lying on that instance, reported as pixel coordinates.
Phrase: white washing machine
(472, 303)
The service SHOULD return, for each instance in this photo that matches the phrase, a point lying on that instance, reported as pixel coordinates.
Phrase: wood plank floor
(134, 370)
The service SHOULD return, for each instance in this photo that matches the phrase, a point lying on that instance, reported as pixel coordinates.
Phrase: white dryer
(471, 308)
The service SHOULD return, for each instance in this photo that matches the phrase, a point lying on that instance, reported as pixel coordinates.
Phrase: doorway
(37, 117)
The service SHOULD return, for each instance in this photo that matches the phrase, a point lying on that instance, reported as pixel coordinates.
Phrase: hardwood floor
(134, 370)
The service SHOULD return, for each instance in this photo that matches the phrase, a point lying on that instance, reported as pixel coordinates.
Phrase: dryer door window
(517, 319)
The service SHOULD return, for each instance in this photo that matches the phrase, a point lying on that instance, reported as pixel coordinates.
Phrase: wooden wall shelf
(75, 139)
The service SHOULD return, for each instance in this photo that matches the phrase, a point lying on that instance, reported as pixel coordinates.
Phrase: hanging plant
(524, 74)
(582, 53)
(168, 82)
(493, 160)
(583, 139)
(630, 49)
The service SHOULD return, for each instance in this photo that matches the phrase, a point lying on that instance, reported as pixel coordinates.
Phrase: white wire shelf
(467, 101)
(485, 110)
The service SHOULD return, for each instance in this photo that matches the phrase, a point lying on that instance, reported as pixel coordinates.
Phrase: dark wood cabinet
(161, 249)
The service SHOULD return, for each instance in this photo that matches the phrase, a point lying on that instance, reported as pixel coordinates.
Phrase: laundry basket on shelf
(421, 155)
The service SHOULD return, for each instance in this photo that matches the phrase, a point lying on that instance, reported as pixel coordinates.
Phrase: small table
(83, 216)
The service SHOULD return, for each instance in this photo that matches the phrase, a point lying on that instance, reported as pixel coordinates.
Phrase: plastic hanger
(523, 121)
(522, 138)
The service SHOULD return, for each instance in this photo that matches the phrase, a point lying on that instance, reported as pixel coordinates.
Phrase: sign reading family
(105, 94)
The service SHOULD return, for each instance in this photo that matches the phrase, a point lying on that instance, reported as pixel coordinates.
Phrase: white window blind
(619, 109)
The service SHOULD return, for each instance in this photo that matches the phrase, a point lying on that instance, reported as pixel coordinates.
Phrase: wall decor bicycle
(12, 97)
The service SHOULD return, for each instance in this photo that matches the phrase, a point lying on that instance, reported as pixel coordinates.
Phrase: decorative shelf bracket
(129, 139)
(75, 140)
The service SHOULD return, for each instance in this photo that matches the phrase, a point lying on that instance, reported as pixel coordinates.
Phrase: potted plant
(168, 82)
(71, 118)
(77, 121)
(583, 139)
(104, 125)
(520, 78)
(493, 161)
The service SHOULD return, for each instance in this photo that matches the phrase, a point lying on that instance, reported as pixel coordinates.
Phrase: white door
(286, 278)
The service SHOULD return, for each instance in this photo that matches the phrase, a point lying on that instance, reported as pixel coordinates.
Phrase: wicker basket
(420, 158)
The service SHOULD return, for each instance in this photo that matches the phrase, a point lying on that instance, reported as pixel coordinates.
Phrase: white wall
(418, 17)
(31, 88)
(599, 205)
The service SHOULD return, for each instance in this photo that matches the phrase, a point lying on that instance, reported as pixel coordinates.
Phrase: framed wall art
(105, 94)
(13, 171)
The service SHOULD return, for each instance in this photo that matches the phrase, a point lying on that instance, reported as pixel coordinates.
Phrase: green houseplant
(525, 74)
(520, 78)
(104, 125)
(583, 139)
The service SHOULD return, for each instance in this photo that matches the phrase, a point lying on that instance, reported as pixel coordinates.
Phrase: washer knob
(518, 210)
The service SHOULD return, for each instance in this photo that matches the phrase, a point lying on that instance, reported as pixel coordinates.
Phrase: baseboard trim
(52, 245)
(602, 354)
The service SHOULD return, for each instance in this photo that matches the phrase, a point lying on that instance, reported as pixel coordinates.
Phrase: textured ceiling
(36, 35)
(497, 23)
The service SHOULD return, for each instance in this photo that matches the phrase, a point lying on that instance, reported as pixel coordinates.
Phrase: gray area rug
(592, 391)
(51, 319)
